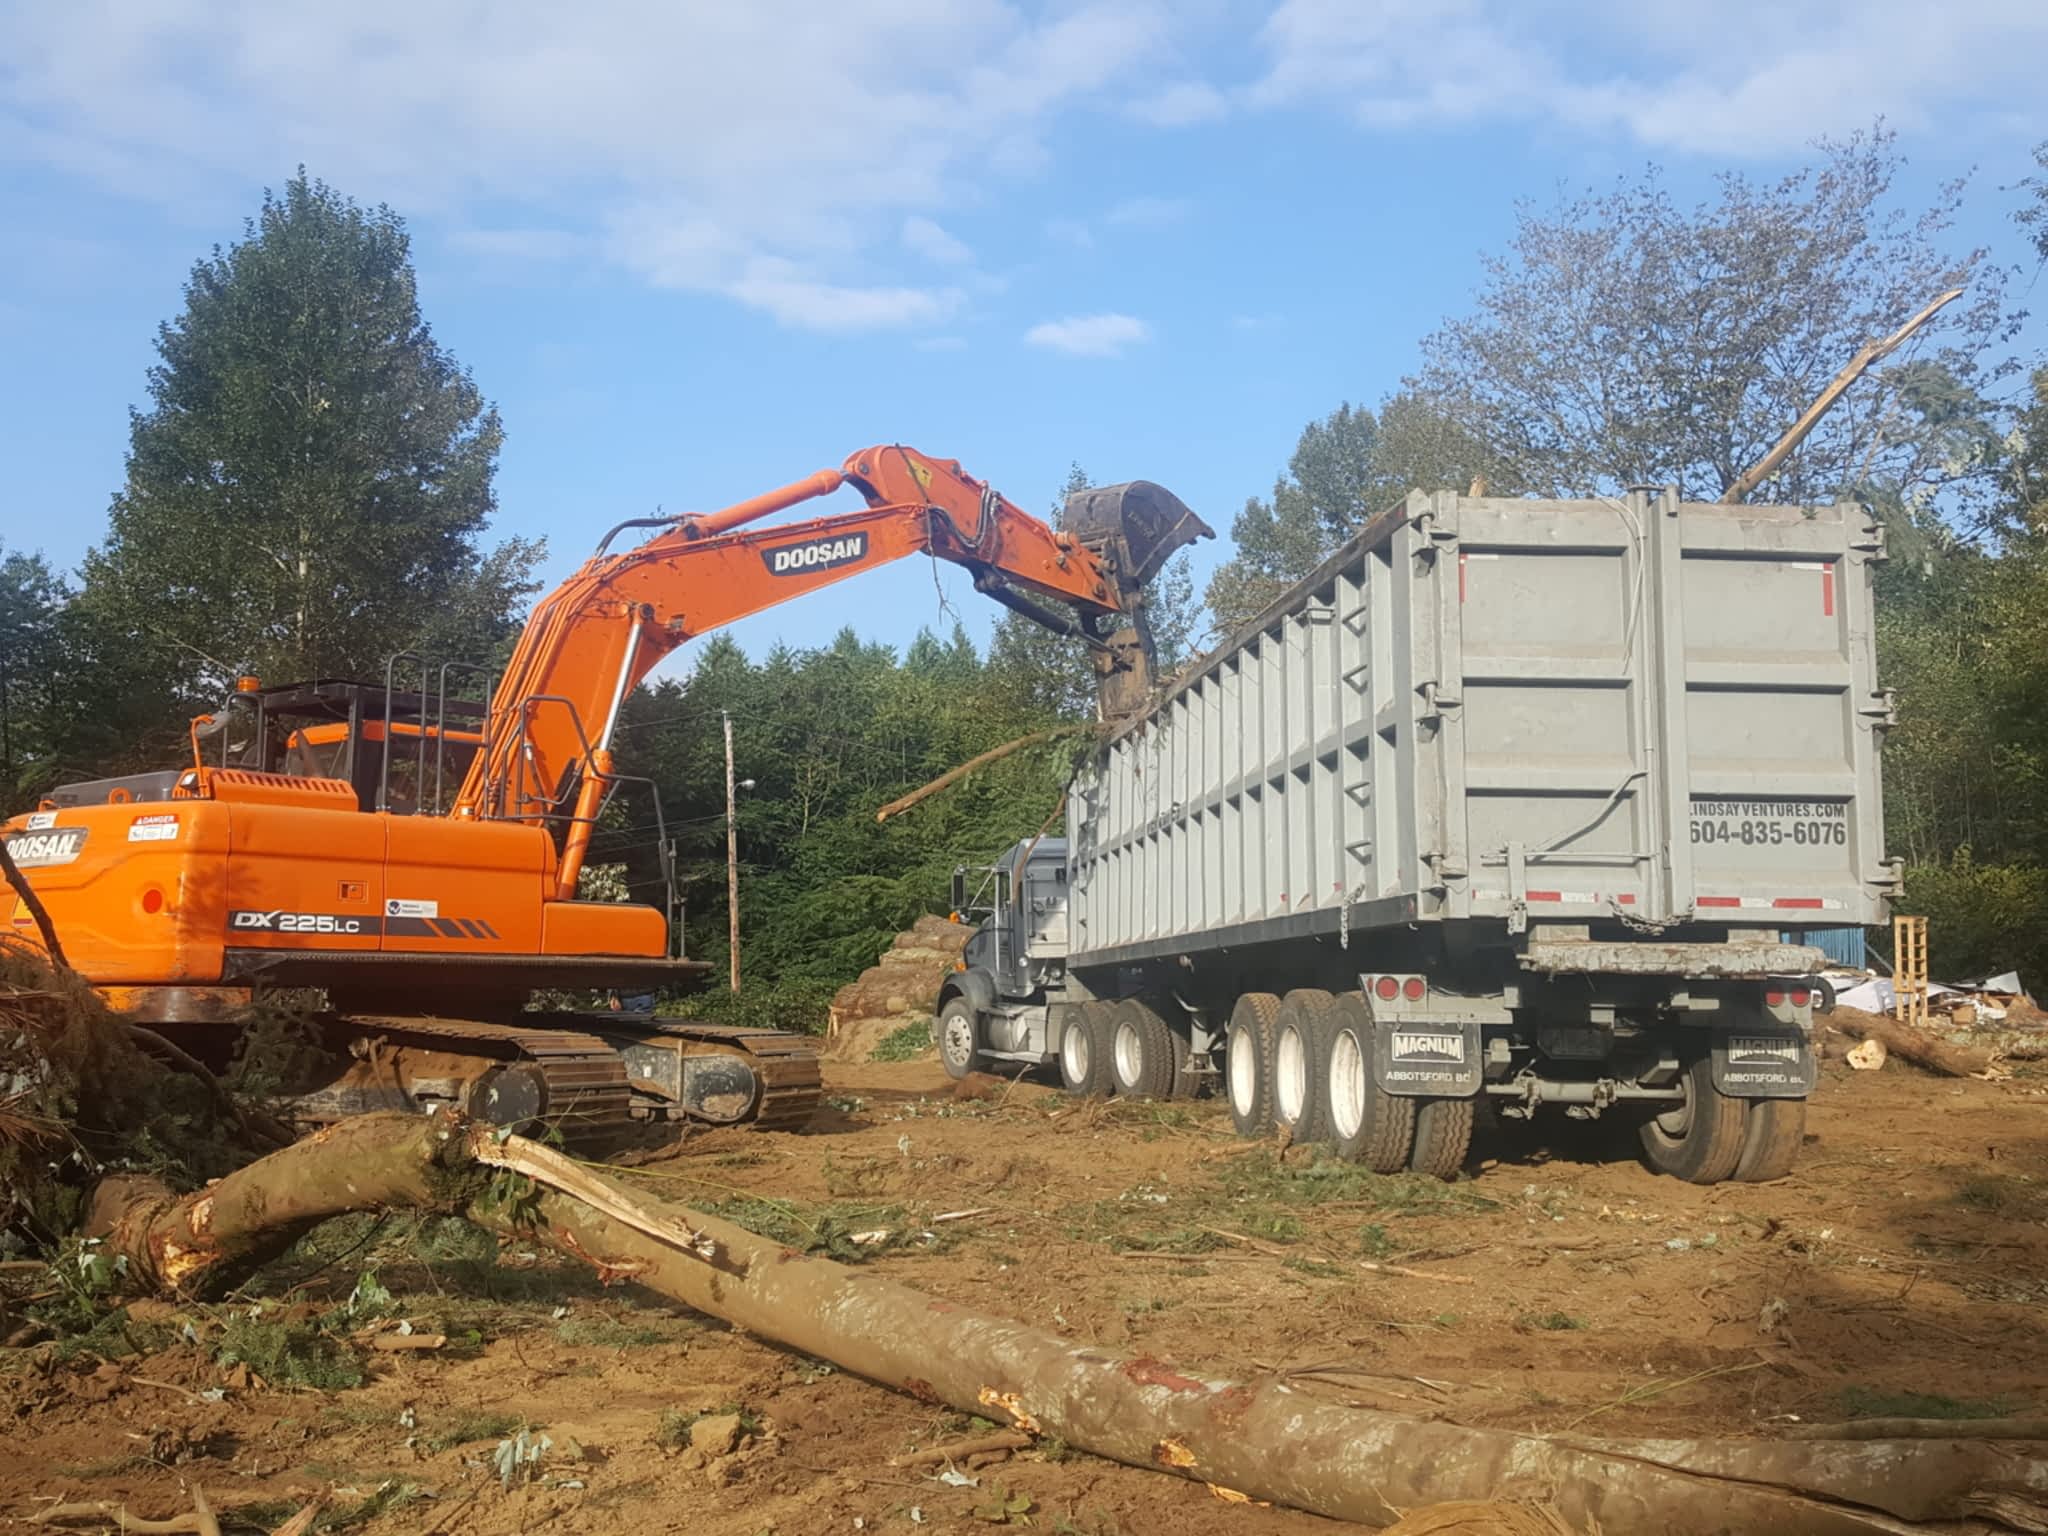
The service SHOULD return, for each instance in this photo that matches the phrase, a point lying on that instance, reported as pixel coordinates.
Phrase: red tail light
(1800, 997)
(1774, 998)
(1387, 988)
(1413, 988)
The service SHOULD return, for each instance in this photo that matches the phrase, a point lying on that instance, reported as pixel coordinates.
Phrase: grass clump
(289, 1354)
(1995, 1196)
(1874, 1403)
(617, 1333)
(1263, 1178)
(906, 1044)
(1553, 1322)
(392, 1495)
(1320, 1269)
(828, 1229)
(469, 1428)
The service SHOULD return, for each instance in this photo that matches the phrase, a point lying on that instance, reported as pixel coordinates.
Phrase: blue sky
(693, 250)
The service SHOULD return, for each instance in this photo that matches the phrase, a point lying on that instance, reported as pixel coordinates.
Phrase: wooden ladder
(1909, 970)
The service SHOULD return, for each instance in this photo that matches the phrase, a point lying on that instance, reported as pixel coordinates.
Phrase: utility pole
(732, 853)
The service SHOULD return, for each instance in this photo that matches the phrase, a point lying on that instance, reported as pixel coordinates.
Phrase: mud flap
(1763, 1063)
(1426, 1058)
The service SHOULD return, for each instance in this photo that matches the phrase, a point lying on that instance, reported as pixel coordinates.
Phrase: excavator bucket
(1139, 524)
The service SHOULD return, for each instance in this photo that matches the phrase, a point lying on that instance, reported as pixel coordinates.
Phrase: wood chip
(393, 1343)
(1002, 1440)
(1414, 1274)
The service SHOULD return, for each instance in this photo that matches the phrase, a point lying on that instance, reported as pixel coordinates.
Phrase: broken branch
(1824, 402)
(953, 776)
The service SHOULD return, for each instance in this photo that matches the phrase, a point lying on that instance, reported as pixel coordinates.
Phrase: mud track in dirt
(1902, 1269)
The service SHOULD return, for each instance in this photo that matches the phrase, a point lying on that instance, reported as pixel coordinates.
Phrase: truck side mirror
(959, 891)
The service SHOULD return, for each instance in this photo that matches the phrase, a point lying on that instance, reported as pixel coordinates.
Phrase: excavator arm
(608, 625)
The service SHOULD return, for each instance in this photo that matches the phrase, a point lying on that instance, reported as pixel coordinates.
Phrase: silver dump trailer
(1511, 800)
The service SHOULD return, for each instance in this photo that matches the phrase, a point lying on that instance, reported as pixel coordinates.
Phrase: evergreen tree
(31, 687)
(308, 485)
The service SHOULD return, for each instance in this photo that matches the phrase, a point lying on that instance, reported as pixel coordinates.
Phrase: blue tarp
(1842, 946)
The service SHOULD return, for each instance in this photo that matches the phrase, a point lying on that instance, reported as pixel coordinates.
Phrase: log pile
(898, 989)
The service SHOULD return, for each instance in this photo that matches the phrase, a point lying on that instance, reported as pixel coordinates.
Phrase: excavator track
(505, 1073)
(788, 1085)
(598, 1085)
(792, 1083)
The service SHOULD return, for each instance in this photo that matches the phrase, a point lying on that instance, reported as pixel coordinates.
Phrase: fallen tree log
(1264, 1438)
(1918, 1047)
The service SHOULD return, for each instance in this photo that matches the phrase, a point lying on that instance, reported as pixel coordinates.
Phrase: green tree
(31, 617)
(307, 488)
(828, 736)
(1345, 467)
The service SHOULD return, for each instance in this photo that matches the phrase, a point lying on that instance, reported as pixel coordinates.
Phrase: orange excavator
(409, 858)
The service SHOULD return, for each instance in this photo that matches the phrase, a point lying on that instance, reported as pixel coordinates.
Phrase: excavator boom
(604, 629)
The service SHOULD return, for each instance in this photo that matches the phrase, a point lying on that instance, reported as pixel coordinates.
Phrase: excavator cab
(400, 751)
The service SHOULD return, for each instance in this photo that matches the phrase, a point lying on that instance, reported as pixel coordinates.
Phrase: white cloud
(742, 150)
(1738, 77)
(808, 305)
(924, 237)
(1181, 105)
(1089, 335)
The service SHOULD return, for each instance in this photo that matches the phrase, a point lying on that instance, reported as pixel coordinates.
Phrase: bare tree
(1622, 339)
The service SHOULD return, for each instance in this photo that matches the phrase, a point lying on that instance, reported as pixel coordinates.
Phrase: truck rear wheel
(1443, 1135)
(1771, 1144)
(1699, 1139)
(1140, 1050)
(1369, 1125)
(1084, 1052)
(959, 1034)
(1247, 1056)
(1301, 1064)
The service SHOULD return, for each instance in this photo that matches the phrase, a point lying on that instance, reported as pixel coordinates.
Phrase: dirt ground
(1902, 1268)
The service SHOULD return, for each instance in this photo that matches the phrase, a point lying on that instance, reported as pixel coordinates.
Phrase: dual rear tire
(1303, 1063)
(1708, 1137)
(1123, 1048)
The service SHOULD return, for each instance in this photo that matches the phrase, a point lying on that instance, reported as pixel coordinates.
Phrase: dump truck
(1510, 801)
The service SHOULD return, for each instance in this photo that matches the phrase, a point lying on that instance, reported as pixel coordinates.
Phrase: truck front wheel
(959, 1037)
(1084, 1052)
(1700, 1138)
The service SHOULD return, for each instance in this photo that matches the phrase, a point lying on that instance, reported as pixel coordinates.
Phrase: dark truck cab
(994, 1009)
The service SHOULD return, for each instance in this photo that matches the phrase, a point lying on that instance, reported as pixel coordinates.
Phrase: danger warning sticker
(160, 828)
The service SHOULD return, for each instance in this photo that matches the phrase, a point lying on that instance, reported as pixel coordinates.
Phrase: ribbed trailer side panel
(1492, 709)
